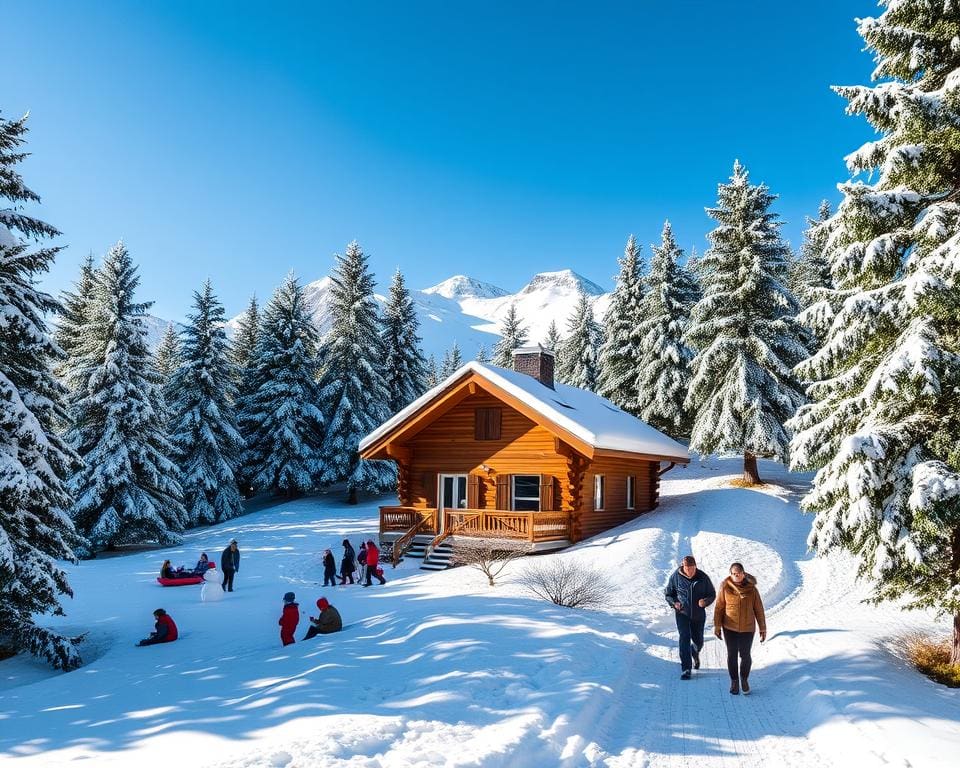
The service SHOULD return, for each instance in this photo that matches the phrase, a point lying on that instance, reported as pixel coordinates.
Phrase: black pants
(372, 574)
(329, 579)
(228, 580)
(738, 645)
(691, 634)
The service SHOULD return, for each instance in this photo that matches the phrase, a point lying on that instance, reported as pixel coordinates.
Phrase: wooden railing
(396, 519)
(496, 524)
(400, 546)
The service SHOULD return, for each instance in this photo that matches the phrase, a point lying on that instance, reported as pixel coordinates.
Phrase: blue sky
(236, 141)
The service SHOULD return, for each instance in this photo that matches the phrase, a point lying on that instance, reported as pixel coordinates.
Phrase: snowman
(211, 591)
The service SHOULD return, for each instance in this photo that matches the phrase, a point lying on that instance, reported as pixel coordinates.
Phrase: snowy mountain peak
(564, 279)
(463, 287)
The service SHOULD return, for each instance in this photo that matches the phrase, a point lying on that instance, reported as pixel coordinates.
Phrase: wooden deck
(533, 527)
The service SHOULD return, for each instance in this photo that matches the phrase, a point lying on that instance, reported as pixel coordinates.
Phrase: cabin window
(526, 493)
(631, 484)
(598, 494)
(486, 423)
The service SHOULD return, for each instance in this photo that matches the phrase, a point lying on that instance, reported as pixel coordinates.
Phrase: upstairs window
(486, 423)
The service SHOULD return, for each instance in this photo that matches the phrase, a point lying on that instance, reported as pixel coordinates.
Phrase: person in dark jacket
(348, 563)
(165, 629)
(362, 562)
(329, 569)
(327, 622)
(202, 565)
(289, 618)
(229, 564)
(373, 567)
(688, 592)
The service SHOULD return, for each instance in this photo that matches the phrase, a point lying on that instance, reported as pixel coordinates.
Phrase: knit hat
(346, 542)
(323, 603)
(289, 597)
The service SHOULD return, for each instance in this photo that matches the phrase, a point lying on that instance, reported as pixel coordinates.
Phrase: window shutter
(546, 493)
(430, 489)
(473, 492)
(503, 492)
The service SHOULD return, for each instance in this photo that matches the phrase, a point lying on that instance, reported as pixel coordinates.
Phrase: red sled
(183, 580)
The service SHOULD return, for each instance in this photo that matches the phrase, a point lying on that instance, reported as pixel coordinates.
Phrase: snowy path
(440, 670)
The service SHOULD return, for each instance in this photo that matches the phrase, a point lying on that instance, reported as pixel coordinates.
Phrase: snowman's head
(211, 575)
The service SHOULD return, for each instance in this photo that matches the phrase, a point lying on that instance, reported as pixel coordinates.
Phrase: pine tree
(621, 348)
(662, 363)
(743, 389)
(811, 271)
(552, 340)
(433, 375)
(74, 315)
(204, 429)
(35, 530)
(882, 430)
(243, 352)
(405, 370)
(353, 389)
(167, 360)
(482, 355)
(513, 336)
(452, 360)
(580, 350)
(129, 489)
(284, 451)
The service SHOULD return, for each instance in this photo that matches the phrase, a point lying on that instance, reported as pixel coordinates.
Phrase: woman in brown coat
(737, 612)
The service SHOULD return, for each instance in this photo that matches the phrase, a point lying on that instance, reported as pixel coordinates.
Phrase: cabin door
(453, 495)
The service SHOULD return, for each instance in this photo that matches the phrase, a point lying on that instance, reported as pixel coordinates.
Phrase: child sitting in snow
(328, 621)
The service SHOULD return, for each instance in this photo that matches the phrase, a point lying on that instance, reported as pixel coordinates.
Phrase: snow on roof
(593, 419)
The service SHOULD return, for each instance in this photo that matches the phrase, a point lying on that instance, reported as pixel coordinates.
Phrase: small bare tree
(566, 583)
(488, 557)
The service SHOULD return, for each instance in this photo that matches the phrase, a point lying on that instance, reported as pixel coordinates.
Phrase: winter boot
(695, 652)
(734, 687)
(744, 686)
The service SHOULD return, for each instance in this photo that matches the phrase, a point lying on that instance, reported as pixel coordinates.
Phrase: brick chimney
(535, 361)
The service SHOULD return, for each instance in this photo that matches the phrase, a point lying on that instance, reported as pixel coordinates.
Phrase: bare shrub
(932, 658)
(566, 583)
(487, 557)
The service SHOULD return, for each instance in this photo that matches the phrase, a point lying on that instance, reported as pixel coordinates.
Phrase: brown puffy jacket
(739, 608)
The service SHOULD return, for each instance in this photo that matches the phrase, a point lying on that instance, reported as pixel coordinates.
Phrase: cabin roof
(591, 418)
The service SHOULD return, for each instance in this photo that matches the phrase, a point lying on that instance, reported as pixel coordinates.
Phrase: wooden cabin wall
(448, 446)
(615, 471)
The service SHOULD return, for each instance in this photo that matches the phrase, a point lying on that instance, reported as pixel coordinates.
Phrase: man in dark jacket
(347, 565)
(688, 592)
(229, 564)
(327, 622)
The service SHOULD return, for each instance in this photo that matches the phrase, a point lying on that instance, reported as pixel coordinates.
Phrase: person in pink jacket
(289, 618)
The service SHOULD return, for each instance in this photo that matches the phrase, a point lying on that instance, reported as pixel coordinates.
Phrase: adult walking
(329, 569)
(373, 560)
(348, 563)
(738, 611)
(689, 592)
(230, 564)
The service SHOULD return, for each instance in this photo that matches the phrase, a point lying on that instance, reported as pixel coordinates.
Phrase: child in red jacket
(289, 618)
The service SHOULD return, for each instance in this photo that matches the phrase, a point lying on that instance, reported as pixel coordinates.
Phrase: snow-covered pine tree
(204, 429)
(433, 374)
(73, 316)
(882, 430)
(552, 339)
(243, 353)
(353, 389)
(482, 355)
(284, 449)
(662, 364)
(580, 349)
(452, 359)
(405, 370)
(167, 360)
(513, 335)
(35, 530)
(744, 333)
(621, 346)
(810, 271)
(129, 489)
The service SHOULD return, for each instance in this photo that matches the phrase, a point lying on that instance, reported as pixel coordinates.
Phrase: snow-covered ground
(439, 669)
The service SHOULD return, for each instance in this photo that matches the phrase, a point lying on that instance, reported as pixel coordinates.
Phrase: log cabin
(512, 456)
